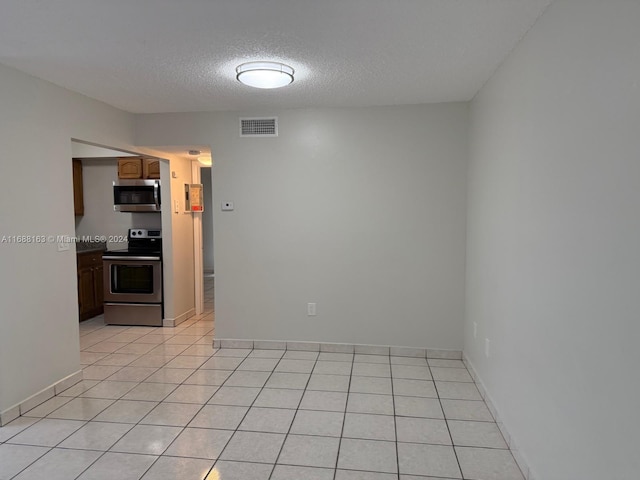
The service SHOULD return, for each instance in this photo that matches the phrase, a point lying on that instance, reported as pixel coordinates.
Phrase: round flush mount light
(264, 74)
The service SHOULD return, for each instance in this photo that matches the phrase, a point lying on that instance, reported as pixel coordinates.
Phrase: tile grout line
(344, 417)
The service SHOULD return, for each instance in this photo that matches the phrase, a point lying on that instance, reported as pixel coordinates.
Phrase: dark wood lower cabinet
(90, 284)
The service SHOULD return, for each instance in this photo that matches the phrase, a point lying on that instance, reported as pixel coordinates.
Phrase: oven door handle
(133, 259)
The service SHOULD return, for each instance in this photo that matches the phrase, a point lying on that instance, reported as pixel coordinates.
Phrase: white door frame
(198, 261)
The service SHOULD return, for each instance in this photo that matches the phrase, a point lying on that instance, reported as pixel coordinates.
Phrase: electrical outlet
(487, 344)
(311, 309)
(475, 329)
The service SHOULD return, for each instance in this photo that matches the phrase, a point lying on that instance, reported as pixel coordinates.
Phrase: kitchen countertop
(90, 246)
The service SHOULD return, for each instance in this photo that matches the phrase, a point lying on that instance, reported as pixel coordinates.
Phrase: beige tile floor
(161, 403)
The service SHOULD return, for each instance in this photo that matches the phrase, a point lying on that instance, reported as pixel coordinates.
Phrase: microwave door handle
(155, 195)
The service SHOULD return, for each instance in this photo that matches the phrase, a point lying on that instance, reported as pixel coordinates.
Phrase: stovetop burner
(142, 241)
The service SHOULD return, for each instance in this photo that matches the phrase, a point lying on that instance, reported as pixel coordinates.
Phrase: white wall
(359, 210)
(99, 218)
(553, 241)
(39, 326)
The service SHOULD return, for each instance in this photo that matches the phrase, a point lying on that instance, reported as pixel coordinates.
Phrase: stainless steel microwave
(136, 196)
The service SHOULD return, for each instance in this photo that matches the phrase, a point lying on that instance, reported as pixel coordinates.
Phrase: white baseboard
(338, 348)
(42, 396)
(513, 445)
(174, 322)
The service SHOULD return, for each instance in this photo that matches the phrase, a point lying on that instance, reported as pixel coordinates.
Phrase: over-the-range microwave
(136, 196)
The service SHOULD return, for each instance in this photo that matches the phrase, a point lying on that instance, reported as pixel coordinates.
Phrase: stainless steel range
(133, 280)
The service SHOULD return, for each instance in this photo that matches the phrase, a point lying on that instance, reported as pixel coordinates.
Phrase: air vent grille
(259, 127)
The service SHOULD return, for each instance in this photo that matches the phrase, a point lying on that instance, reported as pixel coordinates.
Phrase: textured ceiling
(148, 56)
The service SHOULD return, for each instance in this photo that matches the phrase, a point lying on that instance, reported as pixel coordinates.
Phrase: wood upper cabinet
(138, 167)
(130, 167)
(151, 168)
(90, 284)
(78, 195)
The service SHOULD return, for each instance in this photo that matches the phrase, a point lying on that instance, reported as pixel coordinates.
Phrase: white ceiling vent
(259, 127)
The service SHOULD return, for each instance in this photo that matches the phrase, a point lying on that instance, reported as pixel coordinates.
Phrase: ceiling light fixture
(206, 161)
(265, 74)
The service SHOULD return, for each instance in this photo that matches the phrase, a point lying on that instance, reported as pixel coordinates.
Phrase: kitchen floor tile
(235, 396)
(171, 414)
(414, 388)
(117, 359)
(309, 451)
(15, 427)
(451, 374)
(259, 364)
(319, 400)
(458, 391)
(222, 363)
(96, 436)
(47, 407)
(411, 372)
(15, 458)
(147, 439)
(228, 470)
(324, 367)
(371, 370)
(170, 375)
(440, 362)
(296, 381)
(132, 374)
(109, 389)
(370, 403)
(247, 379)
(278, 398)
(121, 466)
(336, 357)
(98, 372)
(355, 475)
(185, 361)
(59, 464)
(488, 464)
(150, 391)
(126, 411)
(253, 447)
(418, 407)
(422, 430)
(369, 427)
(466, 410)
(428, 460)
(365, 358)
(416, 361)
(81, 409)
(192, 394)
(312, 422)
(272, 420)
(47, 432)
(199, 443)
(370, 385)
(219, 416)
(295, 366)
(208, 377)
(476, 434)
(288, 472)
(328, 383)
(368, 455)
(156, 361)
(173, 468)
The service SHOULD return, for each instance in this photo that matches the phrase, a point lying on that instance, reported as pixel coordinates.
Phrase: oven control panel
(145, 233)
